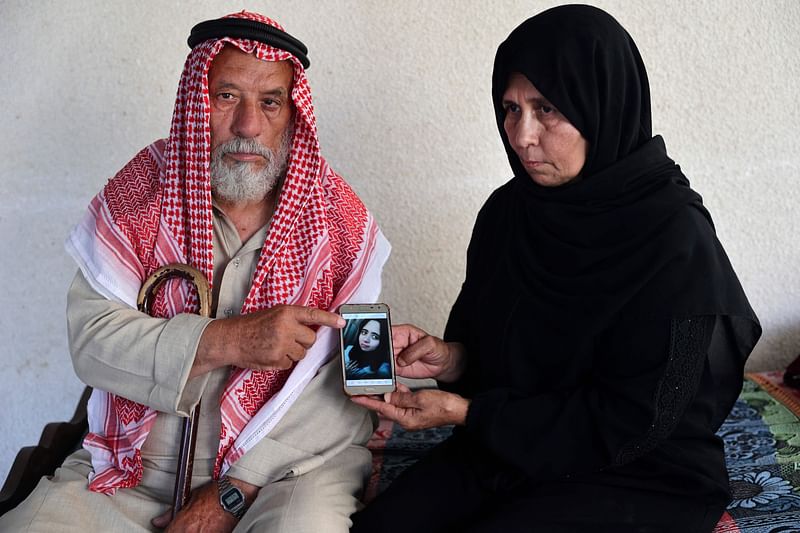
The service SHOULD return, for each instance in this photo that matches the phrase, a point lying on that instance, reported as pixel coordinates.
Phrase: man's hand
(203, 512)
(419, 410)
(273, 338)
(420, 355)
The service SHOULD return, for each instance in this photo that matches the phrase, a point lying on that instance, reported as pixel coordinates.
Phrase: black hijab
(631, 213)
(588, 66)
(628, 237)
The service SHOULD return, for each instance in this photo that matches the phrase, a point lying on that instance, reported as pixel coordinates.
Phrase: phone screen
(366, 344)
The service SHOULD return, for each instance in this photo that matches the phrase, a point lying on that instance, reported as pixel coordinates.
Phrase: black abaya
(605, 329)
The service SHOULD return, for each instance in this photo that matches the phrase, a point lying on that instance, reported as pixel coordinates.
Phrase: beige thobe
(311, 466)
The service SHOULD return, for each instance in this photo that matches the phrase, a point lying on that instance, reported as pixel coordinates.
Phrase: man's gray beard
(238, 181)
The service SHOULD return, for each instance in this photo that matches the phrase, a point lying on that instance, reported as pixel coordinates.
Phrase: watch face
(232, 498)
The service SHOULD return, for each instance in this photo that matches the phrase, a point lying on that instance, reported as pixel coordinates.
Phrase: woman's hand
(422, 409)
(420, 355)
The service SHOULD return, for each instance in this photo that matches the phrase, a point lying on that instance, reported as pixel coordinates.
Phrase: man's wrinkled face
(251, 115)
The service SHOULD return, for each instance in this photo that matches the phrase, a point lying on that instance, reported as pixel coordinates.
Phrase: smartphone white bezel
(357, 390)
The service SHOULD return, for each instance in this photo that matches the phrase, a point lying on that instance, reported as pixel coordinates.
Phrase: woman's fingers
(386, 409)
(429, 350)
(404, 335)
(418, 410)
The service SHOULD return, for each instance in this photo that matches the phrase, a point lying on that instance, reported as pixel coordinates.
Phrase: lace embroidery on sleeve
(687, 355)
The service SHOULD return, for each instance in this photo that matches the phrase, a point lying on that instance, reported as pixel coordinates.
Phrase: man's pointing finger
(312, 315)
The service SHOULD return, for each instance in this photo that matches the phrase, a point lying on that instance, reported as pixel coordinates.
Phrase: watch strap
(231, 498)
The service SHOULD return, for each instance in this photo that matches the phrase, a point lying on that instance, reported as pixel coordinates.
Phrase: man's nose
(247, 121)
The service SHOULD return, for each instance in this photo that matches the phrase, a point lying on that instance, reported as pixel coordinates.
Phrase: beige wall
(403, 104)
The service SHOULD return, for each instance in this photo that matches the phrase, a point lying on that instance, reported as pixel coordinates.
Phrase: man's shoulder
(339, 195)
(139, 178)
(145, 167)
(133, 195)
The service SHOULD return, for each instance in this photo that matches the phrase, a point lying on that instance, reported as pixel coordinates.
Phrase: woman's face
(370, 336)
(550, 148)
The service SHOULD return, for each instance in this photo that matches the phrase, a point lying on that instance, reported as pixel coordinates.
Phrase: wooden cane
(183, 476)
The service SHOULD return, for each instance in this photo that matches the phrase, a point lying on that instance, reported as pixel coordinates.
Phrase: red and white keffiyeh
(323, 249)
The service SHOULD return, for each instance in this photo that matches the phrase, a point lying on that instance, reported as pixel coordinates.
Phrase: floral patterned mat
(762, 448)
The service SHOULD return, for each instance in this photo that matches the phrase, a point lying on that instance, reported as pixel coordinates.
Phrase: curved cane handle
(189, 273)
(183, 476)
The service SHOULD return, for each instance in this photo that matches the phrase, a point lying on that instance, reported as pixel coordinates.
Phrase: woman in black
(599, 338)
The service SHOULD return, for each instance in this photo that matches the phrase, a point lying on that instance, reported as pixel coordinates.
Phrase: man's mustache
(243, 145)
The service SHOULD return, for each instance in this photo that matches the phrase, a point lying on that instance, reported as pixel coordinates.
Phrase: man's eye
(225, 96)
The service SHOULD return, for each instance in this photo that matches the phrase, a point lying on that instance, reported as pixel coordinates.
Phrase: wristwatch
(231, 498)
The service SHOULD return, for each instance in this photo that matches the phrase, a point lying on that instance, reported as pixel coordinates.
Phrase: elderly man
(239, 191)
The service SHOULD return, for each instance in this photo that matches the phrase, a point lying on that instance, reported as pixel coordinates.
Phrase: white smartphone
(365, 344)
